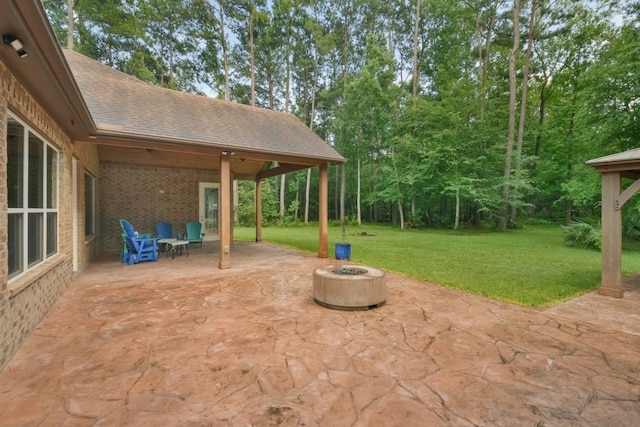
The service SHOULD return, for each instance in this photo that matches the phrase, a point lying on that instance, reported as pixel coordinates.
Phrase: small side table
(178, 245)
(174, 245)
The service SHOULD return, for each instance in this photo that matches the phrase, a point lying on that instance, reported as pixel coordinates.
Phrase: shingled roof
(627, 162)
(124, 106)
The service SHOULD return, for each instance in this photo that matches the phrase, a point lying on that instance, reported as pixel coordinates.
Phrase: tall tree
(70, 5)
(523, 108)
(513, 56)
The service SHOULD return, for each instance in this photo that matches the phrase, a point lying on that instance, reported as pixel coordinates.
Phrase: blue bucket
(343, 250)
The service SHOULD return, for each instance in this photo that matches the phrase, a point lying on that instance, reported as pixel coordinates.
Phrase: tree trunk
(283, 182)
(252, 57)
(306, 197)
(502, 224)
(523, 107)
(398, 191)
(416, 39)
(345, 71)
(171, 53)
(359, 211)
(374, 205)
(570, 142)
(225, 59)
(70, 5)
(235, 201)
(312, 117)
(343, 185)
(485, 59)
(456, 222)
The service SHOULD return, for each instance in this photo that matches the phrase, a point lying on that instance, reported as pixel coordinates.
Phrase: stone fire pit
(349, 287)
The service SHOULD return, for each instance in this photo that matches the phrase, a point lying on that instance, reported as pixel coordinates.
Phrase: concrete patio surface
(181, 343)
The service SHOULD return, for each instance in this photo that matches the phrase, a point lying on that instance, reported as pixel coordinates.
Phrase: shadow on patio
(180, 342)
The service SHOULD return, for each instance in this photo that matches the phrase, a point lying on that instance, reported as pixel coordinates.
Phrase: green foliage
(582, 235)
(345, 68)
(631, 219)
(530, 266)
(246, 213)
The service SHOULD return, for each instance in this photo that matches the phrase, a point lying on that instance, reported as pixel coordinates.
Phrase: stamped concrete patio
(182, 343)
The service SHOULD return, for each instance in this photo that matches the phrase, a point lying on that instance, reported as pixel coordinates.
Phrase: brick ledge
(25, 280)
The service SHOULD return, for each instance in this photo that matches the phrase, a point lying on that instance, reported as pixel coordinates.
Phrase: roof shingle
(123, 104)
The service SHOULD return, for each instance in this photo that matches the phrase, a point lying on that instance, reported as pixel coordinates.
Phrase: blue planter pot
(343, 250)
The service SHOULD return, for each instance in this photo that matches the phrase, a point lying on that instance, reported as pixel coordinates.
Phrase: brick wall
(145, 196)
(87, 157)
(26, 300)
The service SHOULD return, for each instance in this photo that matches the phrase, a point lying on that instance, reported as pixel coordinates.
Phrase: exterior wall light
(16, 44)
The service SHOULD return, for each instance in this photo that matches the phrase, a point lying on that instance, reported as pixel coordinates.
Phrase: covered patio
(181, 342)
(144, 132)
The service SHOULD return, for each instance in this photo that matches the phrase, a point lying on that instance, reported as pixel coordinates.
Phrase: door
(209, 212)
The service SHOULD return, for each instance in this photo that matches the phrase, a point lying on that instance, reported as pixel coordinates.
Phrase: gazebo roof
(625, 162)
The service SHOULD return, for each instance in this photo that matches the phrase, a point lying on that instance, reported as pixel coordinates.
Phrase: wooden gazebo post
(613, 168)
(611, 284)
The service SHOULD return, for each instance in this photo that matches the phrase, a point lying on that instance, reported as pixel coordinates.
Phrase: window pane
(52, 233)
(15, 164)
(52, 178)
(89, 204)
(36, 170)
(15, 245)
(35, 238)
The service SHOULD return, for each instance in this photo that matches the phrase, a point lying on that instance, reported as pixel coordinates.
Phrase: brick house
(84, 145)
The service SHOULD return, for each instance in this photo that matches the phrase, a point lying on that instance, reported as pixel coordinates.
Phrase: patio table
(174, 245)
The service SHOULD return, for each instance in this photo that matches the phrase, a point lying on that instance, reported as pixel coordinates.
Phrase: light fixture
(16, 44)
(228, 153)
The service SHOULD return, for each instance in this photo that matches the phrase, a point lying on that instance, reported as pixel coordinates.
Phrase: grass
(530, 267)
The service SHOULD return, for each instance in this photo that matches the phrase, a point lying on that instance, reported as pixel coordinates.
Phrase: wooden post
(258, 210)
(225, 211)
(611, 284)
(323, 212)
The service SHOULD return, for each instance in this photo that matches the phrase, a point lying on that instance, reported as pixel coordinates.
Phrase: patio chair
(194, 233)
(139, 247)
(164, 230)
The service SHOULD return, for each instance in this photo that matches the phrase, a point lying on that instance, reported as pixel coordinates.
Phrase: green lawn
(530, 266)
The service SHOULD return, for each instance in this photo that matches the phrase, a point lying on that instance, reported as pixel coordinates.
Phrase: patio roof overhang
(142, 150)
(44, 72)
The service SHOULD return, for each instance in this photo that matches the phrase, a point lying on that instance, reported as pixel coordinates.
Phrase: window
(32, 185)
(89, 205)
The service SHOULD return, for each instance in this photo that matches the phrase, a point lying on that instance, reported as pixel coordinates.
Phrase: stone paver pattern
(181, 343)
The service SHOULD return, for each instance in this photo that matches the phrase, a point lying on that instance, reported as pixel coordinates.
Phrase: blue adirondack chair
(194, 233)
(164, 230)
(139, 248)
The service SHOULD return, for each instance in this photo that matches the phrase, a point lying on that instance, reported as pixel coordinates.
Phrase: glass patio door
(209, 210)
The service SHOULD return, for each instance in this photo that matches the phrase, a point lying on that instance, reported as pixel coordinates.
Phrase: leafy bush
(582, 235)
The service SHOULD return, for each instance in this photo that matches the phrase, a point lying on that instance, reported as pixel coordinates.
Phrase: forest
(451, 113)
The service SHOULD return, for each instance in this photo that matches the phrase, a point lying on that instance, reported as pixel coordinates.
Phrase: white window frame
(24, 210)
